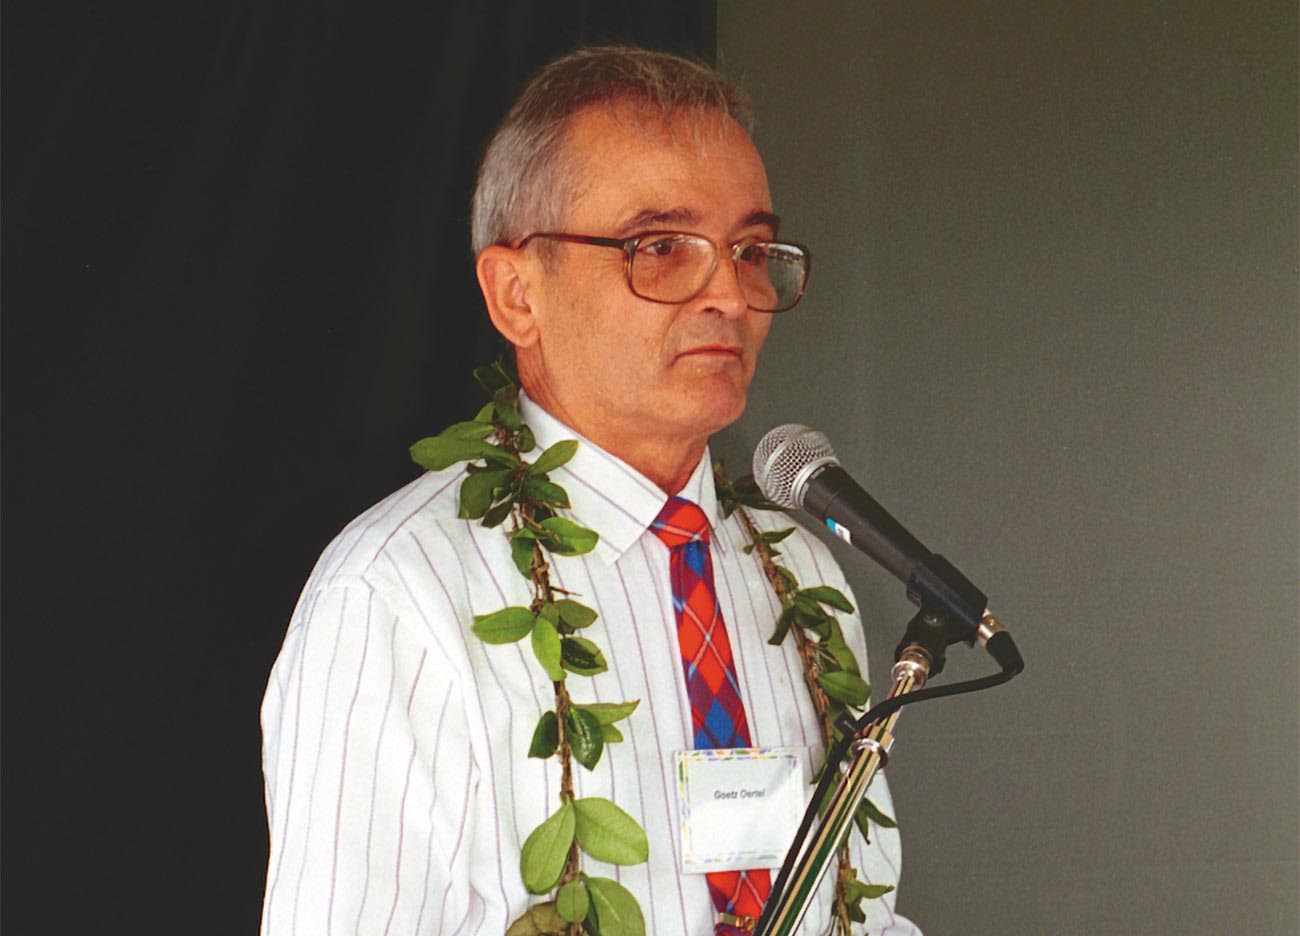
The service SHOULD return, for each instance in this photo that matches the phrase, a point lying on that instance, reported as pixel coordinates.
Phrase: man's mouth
(712, 350)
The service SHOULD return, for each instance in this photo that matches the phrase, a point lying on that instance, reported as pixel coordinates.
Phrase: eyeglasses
(672, 267)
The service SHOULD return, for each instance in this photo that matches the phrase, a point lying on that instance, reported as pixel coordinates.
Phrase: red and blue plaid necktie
(717, 713)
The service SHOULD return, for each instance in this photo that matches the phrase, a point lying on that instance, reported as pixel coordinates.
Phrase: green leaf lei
(501, 485)
(830, 670)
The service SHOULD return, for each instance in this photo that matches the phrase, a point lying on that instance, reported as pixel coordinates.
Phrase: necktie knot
(681, 522)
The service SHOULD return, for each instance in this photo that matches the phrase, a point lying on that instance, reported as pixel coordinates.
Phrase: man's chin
(712, 408)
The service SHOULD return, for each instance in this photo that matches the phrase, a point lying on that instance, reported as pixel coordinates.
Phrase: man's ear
(503, 275)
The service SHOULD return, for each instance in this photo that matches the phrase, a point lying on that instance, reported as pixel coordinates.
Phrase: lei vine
(502, 486)
(830, 670)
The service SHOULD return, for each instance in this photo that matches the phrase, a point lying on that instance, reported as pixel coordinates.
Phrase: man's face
(621, 369)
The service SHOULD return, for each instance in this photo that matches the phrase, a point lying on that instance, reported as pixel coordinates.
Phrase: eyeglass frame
(629, 245)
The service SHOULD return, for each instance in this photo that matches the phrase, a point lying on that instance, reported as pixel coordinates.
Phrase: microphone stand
(919, 655)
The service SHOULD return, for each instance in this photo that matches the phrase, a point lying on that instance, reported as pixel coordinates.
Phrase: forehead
(694, 169)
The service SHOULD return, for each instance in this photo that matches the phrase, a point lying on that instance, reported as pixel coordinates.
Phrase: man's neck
(667, 463)
(669, 470)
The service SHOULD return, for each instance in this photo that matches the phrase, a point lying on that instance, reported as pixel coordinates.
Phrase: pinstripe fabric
(397, 790)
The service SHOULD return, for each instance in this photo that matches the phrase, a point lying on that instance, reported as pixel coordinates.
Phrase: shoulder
(423, 509)
(412, 553)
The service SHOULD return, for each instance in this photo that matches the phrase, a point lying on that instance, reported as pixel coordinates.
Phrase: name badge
(740, 807)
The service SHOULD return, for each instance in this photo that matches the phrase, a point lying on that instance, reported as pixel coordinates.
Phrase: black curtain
(236, 285)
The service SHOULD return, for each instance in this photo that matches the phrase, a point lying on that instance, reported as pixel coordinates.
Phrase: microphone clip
(951, 610)
(931, 632)
(936, 585)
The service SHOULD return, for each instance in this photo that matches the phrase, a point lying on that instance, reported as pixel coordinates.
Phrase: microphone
(795, 466)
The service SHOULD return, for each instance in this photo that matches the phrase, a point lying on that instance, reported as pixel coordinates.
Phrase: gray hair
(525, 180)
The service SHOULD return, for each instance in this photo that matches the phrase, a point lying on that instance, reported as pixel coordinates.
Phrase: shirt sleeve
(361, 713)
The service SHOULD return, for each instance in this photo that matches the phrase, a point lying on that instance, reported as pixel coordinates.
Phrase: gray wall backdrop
(1053, 327)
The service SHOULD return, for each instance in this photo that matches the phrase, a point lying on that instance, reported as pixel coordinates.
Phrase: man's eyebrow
(764, 217)
(649, 218)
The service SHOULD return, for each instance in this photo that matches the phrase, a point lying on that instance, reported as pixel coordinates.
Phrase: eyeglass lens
(675, 267)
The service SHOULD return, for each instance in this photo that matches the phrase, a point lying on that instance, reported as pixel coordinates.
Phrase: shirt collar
(607, 494)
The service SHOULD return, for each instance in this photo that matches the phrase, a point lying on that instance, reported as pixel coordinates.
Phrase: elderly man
(627, 249)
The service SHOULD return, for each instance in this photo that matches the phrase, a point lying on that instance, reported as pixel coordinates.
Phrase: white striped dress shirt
(398, 791)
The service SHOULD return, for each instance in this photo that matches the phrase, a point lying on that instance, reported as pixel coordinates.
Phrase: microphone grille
(781, 457)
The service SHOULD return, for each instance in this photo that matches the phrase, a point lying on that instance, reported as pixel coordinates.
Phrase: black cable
(999, 646)
(890, 706)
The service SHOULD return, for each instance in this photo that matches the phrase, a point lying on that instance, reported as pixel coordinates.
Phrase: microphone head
(785, 458)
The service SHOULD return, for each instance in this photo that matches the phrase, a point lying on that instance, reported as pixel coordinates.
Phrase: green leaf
(437, 452)
(855, 890)
(492, 377)
(538, 920)
(749, 494)
(617, 912)
(506, 401)
(727, 500)
(485, 414)
(497, 515)
(819, 626)
(783, 626)
(545, 492)
(542, 860)
(546, 647)
(863, 824)
(575, 614)
(810, 610)
(572, 902)
(828, 596)
(477, 492)
(607, 833)
(844, 659)
(585, 737)
(872, 812)
(609, 712)
(867, 813)
(846, 687)
(788, 581)
(812, 617)
(570, 538)
(504, 626)
(524, 440)
(475, 430)
(774, 537)
(546, 736)
(610, 735)
(521, 551)
(553, 457)
(498, 459)
(579, 655)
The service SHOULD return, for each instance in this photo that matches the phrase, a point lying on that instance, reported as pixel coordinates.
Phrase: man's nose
(723, 291)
